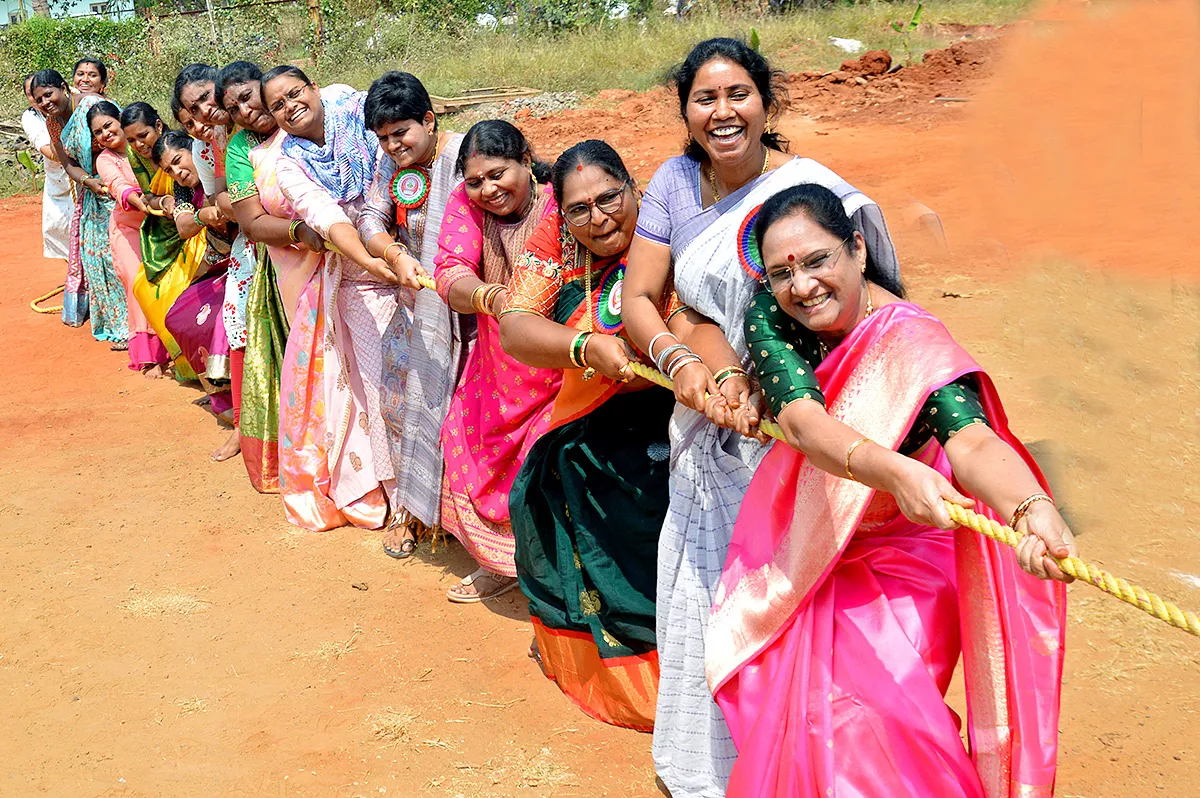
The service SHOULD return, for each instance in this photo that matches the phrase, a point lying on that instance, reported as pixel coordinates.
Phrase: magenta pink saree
(838, 623)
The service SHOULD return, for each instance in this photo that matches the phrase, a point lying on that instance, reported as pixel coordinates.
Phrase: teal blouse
(785, 353)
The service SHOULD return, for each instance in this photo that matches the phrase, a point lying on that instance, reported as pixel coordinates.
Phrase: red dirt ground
(163, 632)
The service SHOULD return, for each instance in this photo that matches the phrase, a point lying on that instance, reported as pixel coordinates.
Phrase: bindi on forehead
(791, 257)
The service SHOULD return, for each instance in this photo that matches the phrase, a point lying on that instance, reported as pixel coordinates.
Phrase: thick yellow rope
(52, 309)
(426, 282)
(1097, 577)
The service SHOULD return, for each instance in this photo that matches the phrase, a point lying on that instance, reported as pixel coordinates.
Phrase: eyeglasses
(780, 277)
(608, 203)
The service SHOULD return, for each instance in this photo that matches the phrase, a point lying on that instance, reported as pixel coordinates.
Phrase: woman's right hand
(608, 354)
(379, 268)
(167, 205)
(406, 268)
(693, 382)
(921, 492)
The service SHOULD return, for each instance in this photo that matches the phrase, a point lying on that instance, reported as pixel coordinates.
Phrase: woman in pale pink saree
(338, 466)
(838, 621)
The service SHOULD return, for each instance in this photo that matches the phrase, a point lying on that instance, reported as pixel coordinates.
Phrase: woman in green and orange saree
(589, 501)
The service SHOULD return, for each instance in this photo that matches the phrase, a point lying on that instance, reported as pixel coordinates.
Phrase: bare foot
(228, 449)
(154, 371)
(480, 586)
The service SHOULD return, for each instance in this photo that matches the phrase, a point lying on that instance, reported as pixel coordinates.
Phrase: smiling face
(408, 141)
(245, 105)
(52, 101)
(296, 106)
(194, 127)
(591, 189)
(87, 79)
(501, 186)
(725, 112)
(29, 92)
(107, 132)
(199, 99)
(816, 278)
(178, 164)
(143, 137)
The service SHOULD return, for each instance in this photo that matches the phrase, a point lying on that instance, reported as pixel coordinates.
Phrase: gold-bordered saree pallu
(837, 623)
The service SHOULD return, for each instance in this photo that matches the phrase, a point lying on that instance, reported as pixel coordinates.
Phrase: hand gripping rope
(426, 282)
(1073, 566)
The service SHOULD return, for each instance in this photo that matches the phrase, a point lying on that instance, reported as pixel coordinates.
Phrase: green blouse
(239, 172)
(785, 353)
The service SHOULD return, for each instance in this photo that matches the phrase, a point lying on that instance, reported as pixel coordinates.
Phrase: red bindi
(579, 168)
(791, 257)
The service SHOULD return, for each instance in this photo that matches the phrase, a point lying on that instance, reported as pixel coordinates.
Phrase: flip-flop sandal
(120, 346)
(456, 598)
(407, 549)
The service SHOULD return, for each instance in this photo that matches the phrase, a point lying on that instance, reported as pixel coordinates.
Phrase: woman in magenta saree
(838, 621)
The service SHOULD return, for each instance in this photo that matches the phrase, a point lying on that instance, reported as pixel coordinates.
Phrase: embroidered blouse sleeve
(948, 410)
(202, 157)
(313, 204)
(118, 176)
(460, 243)
(239, 172)
(378, 213)
(537, 277)
(773, 338)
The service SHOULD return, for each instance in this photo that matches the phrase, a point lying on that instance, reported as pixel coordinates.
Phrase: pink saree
(838, 623)
(501, 406)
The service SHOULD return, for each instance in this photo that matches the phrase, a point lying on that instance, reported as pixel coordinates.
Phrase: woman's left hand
(609, 355)
(1045, 533)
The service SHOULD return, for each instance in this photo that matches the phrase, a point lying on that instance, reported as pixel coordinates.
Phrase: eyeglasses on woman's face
(779, 278)
(608, 203)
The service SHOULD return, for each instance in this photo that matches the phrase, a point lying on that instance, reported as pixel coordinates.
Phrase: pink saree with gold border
(838, 623)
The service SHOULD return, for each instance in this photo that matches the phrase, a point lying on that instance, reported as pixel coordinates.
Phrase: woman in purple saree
(838, 621)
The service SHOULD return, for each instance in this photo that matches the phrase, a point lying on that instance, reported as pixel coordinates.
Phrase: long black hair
(769, 82)
(103, 108)
(234, 74)
(394, 97)
(97, 63)
(592, 152)
(495, 138)
(825, 209)
(171, 139)
(140, 112)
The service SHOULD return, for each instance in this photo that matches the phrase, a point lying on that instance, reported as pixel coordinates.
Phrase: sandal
(408, 547)
(119, 346)
(503, 585)
(536, 656)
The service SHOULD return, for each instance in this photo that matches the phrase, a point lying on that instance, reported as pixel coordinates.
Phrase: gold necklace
(437, 147)
(589, 372)
(712, 174)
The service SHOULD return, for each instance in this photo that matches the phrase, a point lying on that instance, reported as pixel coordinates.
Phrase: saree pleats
(587, 507)
(266, 340)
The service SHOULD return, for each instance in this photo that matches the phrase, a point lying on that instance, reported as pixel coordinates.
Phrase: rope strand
(1084, 571)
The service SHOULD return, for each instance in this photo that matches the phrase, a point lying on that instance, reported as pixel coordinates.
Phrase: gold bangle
(850, 451)
(1024, 506)
(728, 373)
(476, 295)
(292, 230)
(389, 246)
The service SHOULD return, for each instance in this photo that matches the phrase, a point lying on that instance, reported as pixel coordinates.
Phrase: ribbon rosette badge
(410, 187)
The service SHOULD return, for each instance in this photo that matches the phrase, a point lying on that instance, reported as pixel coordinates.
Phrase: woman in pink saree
(846, 598)
(501, 406)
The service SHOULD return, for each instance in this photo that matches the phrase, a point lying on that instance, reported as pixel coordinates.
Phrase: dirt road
(163, 631)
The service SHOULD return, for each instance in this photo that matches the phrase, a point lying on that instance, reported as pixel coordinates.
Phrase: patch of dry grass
(147, 605)
(190, 706)
(328, 652)
(391, 727)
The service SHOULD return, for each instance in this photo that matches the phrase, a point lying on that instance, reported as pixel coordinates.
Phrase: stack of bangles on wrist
(674, 357)
(1024, 506)
(728, 373)
(292, 230)
(484, 296)
(578, 351)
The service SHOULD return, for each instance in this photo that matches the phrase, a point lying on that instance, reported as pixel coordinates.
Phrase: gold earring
(770, 127)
